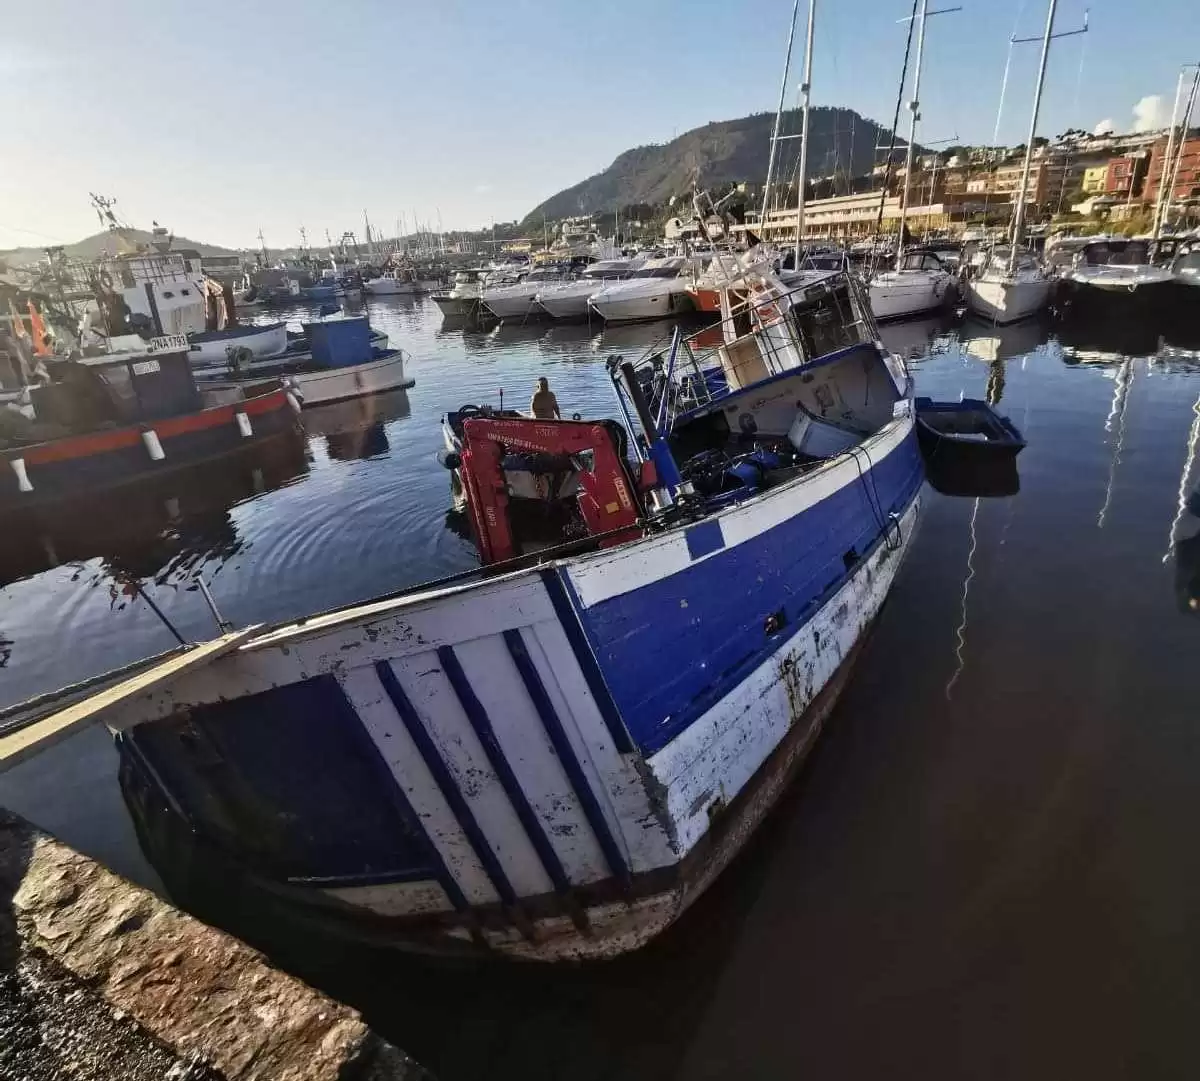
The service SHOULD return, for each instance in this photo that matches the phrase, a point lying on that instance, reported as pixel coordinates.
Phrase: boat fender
(243, 423)
(23, 482)
(293, 401)
(449, 459)
(153, 447)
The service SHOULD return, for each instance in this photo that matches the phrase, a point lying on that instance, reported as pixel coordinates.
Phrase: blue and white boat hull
(550, 763)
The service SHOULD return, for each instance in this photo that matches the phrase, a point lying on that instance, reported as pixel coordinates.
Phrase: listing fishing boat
(553, 756)
(340, 362)
(123, 417)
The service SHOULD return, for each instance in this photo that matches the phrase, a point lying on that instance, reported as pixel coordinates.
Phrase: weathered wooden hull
(548, 764)
(600, 920)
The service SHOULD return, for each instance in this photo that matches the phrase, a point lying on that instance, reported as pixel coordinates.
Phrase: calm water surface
(988, 868)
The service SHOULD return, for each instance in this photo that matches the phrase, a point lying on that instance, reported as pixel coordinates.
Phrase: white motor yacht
(920, 283)
(657, 290)
(1007, 289)
(569, 300)
(461, 301)
(1114, 279)
(517, 301)
(1186, 267)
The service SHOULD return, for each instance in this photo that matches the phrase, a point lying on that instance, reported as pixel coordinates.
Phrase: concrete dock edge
(100, 978)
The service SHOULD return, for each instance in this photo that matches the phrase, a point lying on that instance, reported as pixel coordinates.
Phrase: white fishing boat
(516, 301)
(403, 281)
(658, 290)
(569, 299)
(339, 359)
(263, 341)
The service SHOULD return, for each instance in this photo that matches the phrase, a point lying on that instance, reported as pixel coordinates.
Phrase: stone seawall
(101, 979)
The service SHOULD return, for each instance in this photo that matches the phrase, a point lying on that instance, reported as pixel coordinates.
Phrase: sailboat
(919, 282)
(1012, 284)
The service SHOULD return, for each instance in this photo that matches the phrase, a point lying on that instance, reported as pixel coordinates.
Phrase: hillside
(106, 242)
(723, 151)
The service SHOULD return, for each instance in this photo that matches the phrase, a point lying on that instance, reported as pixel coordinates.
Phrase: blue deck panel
(665, 662)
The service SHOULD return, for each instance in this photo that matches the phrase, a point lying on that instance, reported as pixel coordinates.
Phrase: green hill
(841, 141)
(93, 246)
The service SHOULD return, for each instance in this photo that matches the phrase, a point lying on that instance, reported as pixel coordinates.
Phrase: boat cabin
(113, 390)
(921, 259)
(1114, 252)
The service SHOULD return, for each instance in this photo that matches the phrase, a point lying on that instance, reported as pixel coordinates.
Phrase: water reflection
(161, 531)
(356, 428)
(960, 649)
(1117, 414)
(918, 338)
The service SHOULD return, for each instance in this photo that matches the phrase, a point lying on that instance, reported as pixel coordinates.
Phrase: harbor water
(985, 870)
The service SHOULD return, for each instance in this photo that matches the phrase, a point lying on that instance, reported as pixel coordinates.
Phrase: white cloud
(1105, 125)
(483, 189)
(1150, 113)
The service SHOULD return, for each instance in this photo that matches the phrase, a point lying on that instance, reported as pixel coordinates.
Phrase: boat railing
(689, 372)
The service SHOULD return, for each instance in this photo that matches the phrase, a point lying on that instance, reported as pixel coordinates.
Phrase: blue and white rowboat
(554, 757)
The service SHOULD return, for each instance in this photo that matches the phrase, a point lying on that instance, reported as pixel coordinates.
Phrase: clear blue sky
(219, 119)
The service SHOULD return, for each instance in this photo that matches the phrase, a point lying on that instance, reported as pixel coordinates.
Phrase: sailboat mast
(1162, 210)
(914, 108)
(1162, 180)
(806, 90)
(1023, 191)
(787, 63)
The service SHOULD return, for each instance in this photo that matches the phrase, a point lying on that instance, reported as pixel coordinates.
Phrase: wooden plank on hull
(23, 741)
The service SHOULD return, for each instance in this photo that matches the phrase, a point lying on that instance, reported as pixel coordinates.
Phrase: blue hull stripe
(566, 607)
(666, 663)
(566, 753)
(482, 724)
(445, 782)
(705, 538)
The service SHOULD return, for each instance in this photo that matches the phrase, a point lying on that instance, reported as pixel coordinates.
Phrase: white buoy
(243, 423)
(293, 401)
(23, 482)
(153, 447)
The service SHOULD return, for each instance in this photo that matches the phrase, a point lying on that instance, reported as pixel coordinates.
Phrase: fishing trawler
(554, 755)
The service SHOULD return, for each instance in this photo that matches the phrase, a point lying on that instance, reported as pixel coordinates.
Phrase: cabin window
(184, 293)
(167, 294)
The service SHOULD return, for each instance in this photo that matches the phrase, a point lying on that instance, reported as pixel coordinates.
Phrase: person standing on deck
(544, 405)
